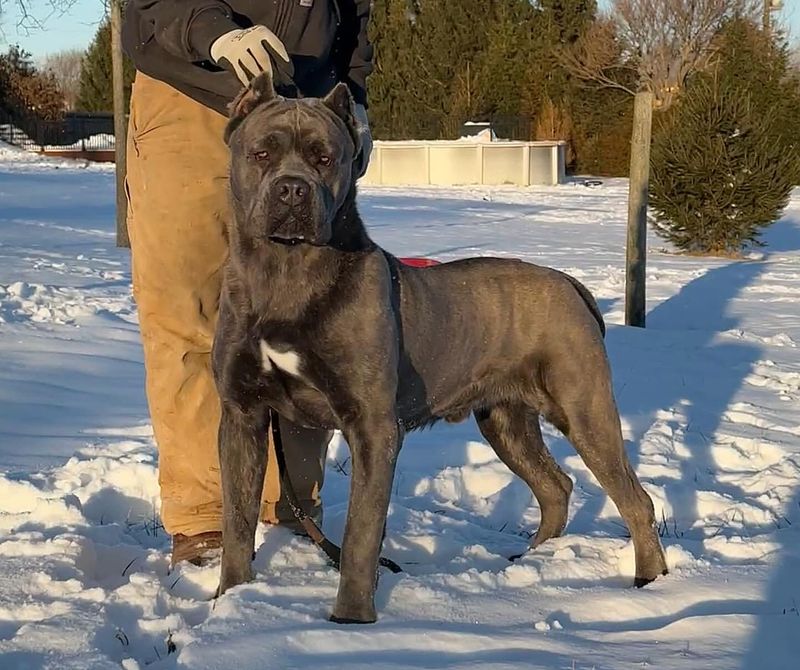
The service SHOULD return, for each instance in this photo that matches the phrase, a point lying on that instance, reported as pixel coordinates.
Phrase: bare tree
(648, 48)
(65, 66)
(652, 45)
(30, 18)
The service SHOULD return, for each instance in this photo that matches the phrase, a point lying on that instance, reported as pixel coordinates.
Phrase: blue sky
(77, 25)
(73, 28)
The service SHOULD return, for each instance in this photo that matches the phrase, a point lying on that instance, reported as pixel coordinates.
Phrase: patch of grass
(668, 527)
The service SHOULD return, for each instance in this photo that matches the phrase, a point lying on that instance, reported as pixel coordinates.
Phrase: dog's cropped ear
(259, 91)
(340, 102)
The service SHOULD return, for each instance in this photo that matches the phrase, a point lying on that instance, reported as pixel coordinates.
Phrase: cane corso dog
(322, 325)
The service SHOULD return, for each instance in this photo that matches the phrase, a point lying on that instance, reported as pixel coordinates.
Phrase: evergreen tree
(751, 59)
(602, 122)
(439, 63)
(449, 37)
(96, 90)
(553, 91)
(723, 164)
(513, 47)
(562, 23)
(17, 60)
(393, 113)
(472, 58)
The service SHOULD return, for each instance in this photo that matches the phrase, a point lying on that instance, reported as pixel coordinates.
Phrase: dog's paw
(336, 619)
(639, 582)
(354, 614)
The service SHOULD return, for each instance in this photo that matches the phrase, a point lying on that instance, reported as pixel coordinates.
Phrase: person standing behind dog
(192, 58)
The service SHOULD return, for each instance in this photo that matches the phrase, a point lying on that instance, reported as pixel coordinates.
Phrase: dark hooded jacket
(327, 40)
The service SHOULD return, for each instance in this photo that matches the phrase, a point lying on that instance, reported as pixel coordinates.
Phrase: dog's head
(291, 163)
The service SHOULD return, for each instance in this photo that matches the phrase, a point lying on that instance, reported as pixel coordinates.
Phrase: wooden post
(636, 255)
(120, 123)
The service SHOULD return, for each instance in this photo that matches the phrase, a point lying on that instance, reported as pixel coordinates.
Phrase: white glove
(365, 135)
(250, 51)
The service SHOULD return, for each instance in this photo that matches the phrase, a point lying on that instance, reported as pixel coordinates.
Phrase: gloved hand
(250, 51)
(365, 135)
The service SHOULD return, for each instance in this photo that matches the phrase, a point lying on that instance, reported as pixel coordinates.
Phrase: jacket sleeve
(359, 51)
(183, 28)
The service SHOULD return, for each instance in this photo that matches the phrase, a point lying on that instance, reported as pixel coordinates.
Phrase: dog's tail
(591, 303)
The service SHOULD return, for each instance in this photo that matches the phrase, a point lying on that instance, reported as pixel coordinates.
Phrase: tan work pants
(178, 208)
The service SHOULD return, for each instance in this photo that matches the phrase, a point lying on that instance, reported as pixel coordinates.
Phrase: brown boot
(196, 549)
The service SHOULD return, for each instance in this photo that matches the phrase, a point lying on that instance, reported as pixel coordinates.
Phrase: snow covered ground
(710, 399)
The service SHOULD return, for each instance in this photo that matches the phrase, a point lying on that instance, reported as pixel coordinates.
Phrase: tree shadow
(783, 236)
(678, 371)
(415, 658)
(776, 641)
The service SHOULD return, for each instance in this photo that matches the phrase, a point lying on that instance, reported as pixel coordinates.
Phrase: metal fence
(75, 131)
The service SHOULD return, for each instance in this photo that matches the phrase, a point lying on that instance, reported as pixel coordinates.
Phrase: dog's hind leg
(514, 433)
(243, 460)
(587, 414)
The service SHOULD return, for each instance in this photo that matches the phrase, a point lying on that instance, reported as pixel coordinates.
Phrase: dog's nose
(292, 191)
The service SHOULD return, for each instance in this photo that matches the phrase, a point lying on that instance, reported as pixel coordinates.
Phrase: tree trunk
(120, 123)
(636, 255)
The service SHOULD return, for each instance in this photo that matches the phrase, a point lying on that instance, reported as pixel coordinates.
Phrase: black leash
(332, 551)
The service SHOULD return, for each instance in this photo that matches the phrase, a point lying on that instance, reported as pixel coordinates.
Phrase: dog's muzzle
(294, 218)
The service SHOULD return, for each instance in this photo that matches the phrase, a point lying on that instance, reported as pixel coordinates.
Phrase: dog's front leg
(242, 459)
(374, 440)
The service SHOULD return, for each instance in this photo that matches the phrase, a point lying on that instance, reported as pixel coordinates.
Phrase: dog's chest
(287, 381)
(279, 359)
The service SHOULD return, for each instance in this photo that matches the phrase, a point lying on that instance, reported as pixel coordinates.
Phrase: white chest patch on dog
(288, 361)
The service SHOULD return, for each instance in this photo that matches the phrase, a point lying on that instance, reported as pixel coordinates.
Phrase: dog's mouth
(296, 241)
(288, 241)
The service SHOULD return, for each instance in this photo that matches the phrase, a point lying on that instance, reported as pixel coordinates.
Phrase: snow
(10, 154)
(710, 402)
(485, 135)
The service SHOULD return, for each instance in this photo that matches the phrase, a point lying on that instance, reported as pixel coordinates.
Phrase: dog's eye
(324, 160)
(261, 156)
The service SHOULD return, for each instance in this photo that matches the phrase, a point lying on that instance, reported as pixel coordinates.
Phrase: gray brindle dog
(322, 325)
